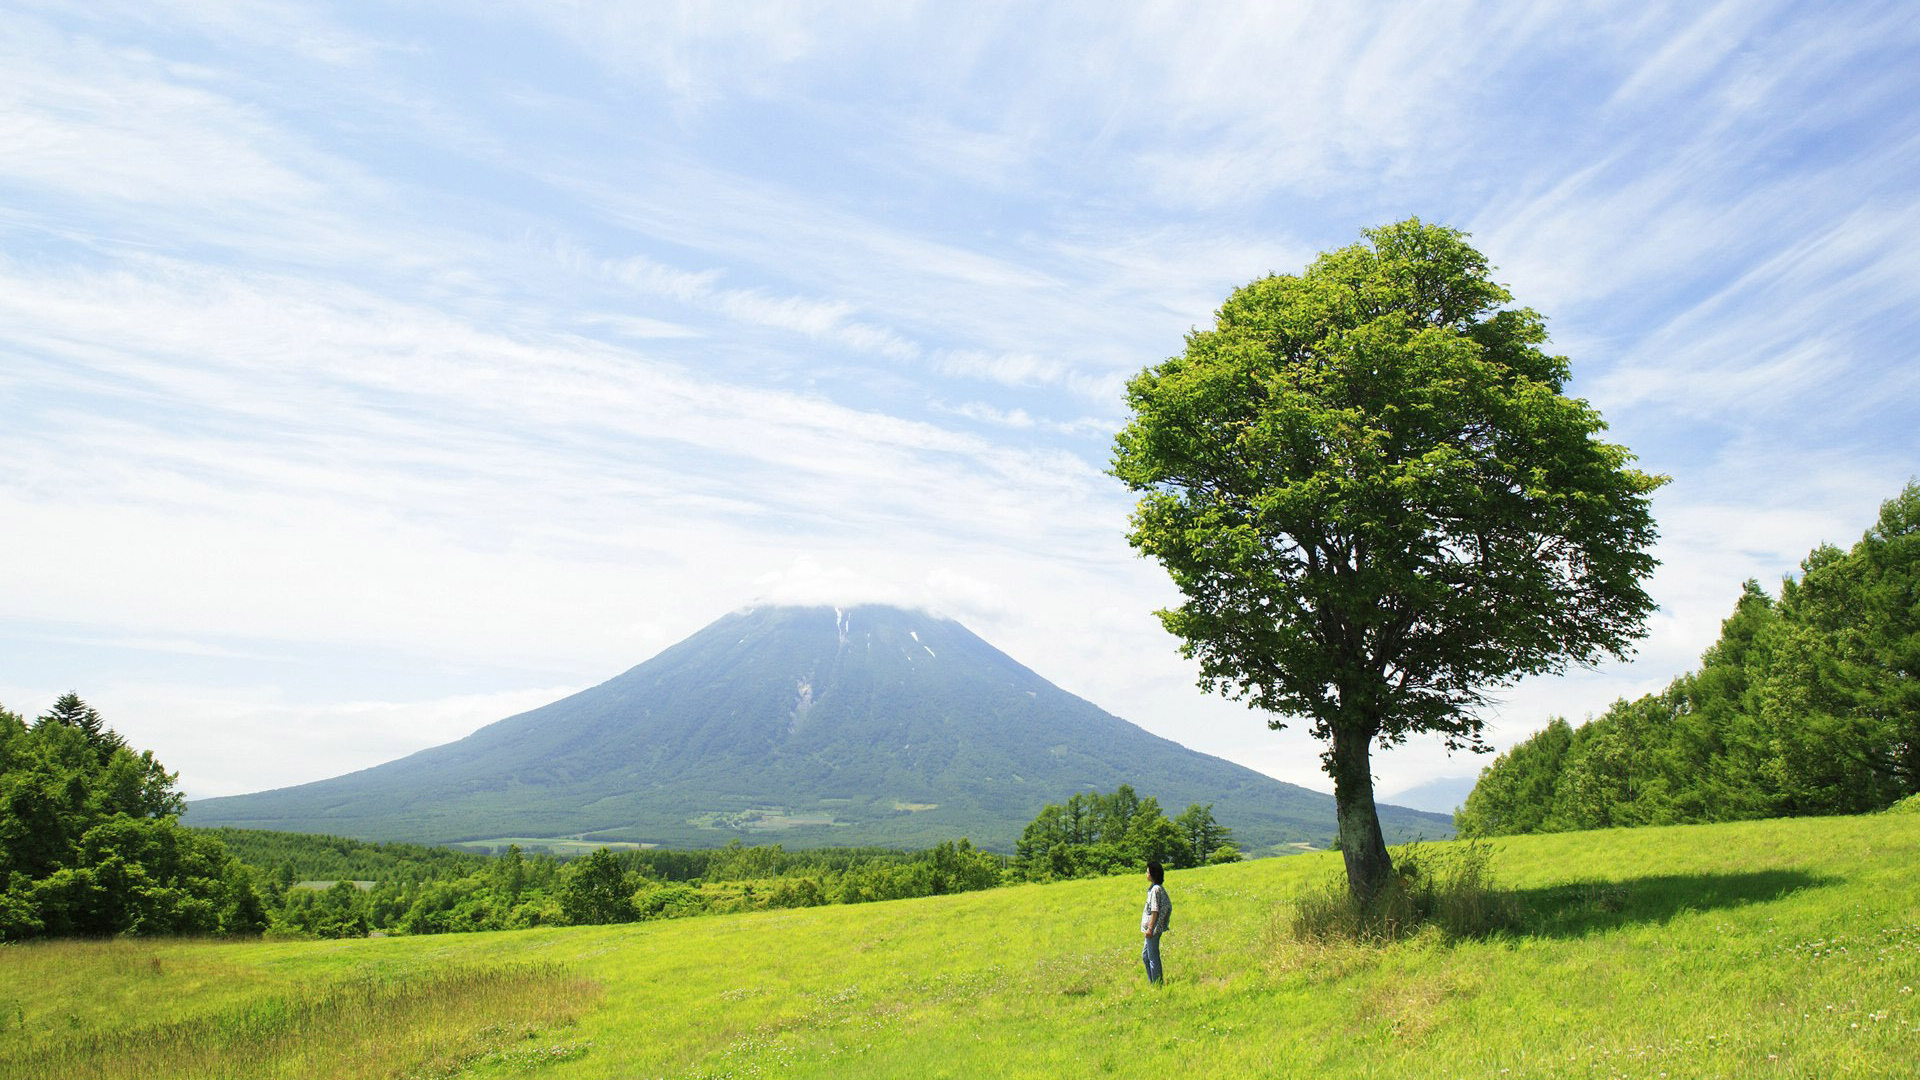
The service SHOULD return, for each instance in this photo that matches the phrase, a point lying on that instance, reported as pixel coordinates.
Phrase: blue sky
(368, 374)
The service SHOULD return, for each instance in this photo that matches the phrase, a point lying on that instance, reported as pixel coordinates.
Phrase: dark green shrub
(669, 901)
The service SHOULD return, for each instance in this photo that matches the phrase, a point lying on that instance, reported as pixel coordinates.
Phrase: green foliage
(1451, 889)
(668, 900)
(412, 889)
(1805, 705)
(1378, 504)
(68, 710)
(1517, 796)
(312, 856)
(949, 867)
(1093, 834)
(596, 890)
(1207, 840)
(89, 844)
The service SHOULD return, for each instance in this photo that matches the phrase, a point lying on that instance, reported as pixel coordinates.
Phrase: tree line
(419, 890)
(1093, 834)
(91, 845)
(517, 890)
(311, 856)
(1809, 703)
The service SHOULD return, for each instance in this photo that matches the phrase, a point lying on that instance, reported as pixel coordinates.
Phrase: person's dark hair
(1156, 873)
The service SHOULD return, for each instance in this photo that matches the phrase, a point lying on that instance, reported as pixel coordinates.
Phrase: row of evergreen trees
(1809, 703)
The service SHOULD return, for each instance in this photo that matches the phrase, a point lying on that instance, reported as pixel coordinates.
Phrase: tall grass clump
(420, 1025)
(1451, 890)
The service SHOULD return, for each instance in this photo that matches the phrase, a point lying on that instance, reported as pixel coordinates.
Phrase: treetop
(1368, 484)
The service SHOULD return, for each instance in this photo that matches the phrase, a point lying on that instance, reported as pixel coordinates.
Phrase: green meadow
(1786, 948)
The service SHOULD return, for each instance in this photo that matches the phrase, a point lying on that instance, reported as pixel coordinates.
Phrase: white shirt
(1152, 915)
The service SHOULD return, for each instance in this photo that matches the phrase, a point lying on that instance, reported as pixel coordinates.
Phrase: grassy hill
(1761, 949)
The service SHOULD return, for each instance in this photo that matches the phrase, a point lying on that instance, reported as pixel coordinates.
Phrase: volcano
(806, 726)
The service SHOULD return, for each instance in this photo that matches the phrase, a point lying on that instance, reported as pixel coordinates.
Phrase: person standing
(1154, 920)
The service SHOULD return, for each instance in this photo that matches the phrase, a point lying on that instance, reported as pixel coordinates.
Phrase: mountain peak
(865, 724)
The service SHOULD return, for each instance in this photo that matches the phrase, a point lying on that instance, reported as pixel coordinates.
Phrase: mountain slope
(809, 726)
(1441, 795)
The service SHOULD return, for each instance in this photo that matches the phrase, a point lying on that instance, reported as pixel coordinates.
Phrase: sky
(369, 373)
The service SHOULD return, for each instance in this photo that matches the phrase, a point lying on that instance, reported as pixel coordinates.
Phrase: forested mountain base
(1808, 704)
(90, 845)
(310, 856)
(519, 892)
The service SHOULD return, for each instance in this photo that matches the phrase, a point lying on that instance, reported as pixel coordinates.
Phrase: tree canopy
(1379, 504)
(90, 843)
(1808, 704)
(1093, 834)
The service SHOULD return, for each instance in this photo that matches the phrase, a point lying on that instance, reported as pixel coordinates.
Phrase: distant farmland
(547, 844)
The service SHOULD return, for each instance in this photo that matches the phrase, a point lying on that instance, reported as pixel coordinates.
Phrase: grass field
(1764, 949)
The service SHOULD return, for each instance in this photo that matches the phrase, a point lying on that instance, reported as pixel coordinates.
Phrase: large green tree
(90, 843)
(596, 890)
(1379, 504)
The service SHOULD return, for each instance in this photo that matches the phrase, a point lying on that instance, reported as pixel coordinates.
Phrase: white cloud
(547, 348)
(1009, 369)
(696, 52)
(987, 414)
(640, 328)
(253, 739)
(1688, 57)
(118, 125)
(324, 464)
(1783, 334)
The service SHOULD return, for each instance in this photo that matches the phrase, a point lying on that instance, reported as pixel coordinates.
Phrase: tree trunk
(1361, 844)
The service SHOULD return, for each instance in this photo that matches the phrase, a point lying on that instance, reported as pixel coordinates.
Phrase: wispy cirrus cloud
(107, 124)
(519, 342)
(285, 404)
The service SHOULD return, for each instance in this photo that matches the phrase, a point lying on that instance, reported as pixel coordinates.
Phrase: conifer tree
(75, 713)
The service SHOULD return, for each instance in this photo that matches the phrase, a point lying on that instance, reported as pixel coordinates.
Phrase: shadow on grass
(1580, 908)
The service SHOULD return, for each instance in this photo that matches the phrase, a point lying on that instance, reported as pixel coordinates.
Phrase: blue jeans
(1150, 956)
